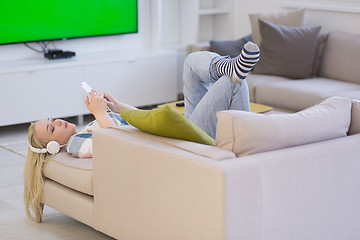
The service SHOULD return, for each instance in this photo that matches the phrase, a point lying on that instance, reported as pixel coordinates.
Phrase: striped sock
(237, 68)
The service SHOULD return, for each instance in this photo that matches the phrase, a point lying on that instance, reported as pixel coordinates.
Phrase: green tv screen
(41, 20)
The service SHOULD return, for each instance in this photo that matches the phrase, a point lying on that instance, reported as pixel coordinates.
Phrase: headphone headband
(37, 150)
(52, 147)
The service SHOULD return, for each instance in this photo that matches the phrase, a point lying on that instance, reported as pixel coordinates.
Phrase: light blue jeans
(205, 93)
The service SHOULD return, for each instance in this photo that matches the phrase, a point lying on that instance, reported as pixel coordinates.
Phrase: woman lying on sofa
(211, 83)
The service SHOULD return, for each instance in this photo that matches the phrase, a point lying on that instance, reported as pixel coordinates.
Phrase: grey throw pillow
(291, 18)
(319, 53)
(287, 51)
(232, 48)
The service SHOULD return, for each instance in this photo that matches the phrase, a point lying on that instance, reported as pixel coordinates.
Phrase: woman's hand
(115, 105)
(96, 104)
(112, 102)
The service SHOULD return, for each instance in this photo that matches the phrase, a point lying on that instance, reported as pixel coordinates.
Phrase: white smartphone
(86, 87)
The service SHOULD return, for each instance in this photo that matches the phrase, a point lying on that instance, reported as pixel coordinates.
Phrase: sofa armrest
(203, 46)
(145, 189)
(292, 191)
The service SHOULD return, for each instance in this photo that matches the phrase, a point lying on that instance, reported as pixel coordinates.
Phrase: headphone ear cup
(53, 147)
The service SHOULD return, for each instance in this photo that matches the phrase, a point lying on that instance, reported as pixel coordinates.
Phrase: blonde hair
(33, 177)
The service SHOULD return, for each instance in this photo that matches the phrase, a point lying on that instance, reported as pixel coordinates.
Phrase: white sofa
(141, 186)
(336, 73)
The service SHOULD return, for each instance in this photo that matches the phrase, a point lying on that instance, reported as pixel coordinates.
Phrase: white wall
(92, 44)
(171, 30)
(347, 22)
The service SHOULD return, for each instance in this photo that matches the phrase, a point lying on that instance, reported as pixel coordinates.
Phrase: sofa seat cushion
(300, 94)
(253, 80)
(72, 172)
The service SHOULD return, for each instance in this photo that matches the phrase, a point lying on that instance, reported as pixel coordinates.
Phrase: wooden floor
(14, 225)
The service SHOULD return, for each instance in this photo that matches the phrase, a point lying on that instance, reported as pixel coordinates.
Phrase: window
(329, 5)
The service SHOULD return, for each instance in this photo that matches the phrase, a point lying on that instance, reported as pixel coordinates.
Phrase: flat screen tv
(43, 20)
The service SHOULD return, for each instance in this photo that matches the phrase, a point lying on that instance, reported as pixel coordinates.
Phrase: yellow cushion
(167, 122)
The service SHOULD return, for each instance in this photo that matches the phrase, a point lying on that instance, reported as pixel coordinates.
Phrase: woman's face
(54, 130)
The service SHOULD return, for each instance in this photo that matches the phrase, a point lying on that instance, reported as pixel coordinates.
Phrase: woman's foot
(237, 68)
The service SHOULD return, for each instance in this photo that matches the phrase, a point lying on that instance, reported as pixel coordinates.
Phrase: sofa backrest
(355, 118)
(247, 133)
(340, 112)
(341, 57)
(204, 150)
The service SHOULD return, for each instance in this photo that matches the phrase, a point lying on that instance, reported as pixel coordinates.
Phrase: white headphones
(52, 147)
